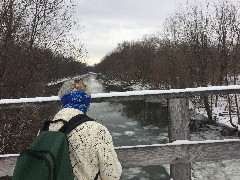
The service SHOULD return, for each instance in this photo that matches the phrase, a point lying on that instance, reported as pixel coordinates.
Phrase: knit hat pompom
(73, 85)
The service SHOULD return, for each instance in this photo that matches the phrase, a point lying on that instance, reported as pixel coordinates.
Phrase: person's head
(75, 94)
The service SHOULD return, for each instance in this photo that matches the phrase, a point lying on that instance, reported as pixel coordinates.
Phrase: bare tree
(33, 35)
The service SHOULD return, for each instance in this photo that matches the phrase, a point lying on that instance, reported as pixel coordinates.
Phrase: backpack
(48, 157)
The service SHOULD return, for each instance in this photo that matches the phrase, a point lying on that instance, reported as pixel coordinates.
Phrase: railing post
(179, 129)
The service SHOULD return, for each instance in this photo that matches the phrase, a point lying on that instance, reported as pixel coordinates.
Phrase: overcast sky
(109, 22)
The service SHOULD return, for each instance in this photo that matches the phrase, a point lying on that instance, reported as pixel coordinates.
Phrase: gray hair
(73, 85)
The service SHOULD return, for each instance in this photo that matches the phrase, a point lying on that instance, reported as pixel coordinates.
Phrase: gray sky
(109, 22)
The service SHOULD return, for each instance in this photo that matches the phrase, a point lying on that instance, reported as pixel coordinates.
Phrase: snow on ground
(214, 170)
(221, 111)
(221, 170)
(57, 81)
(66, 79)
(139, 86)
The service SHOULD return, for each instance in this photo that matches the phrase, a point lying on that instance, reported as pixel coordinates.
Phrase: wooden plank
(179, 119)
(179, 122)
(165, 154)
(7, 165)
(180, 171)
(148, 95)
(184, 153)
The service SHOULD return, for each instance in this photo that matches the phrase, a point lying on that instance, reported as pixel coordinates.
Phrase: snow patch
(150, 127)
(28, 100)
(127, 93)
(129, 133)
(132, 123)
(8, 155)
(180, 142)
(116, 134)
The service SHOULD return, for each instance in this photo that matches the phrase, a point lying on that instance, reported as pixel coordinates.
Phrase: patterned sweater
(91, 149)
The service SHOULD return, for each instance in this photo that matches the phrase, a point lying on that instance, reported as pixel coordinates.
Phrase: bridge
(180, 152)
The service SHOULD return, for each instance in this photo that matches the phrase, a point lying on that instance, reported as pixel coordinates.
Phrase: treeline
(198, 46)
(36, 46)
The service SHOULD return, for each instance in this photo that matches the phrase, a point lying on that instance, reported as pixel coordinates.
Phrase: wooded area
(199, 47)
(36, 46)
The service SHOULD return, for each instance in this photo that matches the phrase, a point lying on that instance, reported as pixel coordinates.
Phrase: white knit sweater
(91, 149)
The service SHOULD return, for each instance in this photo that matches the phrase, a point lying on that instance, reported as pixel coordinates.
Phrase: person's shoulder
(67, 113)
(97, 127)
(95, 124)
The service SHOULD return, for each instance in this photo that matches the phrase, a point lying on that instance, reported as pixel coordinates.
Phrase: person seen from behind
(91, 148)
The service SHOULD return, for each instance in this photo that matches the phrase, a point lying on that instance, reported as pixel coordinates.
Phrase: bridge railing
(180, 152)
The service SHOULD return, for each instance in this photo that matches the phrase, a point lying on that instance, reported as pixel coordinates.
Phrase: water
(131, 123)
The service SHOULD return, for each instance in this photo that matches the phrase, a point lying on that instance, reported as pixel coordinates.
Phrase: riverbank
(221, 170)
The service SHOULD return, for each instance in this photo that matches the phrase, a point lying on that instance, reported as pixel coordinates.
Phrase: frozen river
(139, 122)
(131, 123)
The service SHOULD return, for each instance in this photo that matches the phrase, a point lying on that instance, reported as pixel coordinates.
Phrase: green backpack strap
(74, 122)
